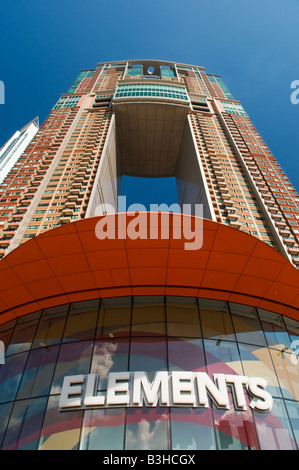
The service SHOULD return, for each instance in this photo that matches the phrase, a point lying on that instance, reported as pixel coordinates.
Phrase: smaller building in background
(16, 145)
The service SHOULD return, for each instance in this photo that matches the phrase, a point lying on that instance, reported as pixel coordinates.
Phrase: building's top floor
(151, 63)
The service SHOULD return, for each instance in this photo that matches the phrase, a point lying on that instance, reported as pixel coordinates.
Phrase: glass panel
(235, 430)
(257, 363)
(61, 430)
(182, 317)
(74, 359)
(274, 430)
(148, 355)
(216, 320)
(38, 373)
(112, 356)
(186, 354)
(148, 316)
(293, 412)
(293, 329)
(5, 334)
(23, 334)
(103, 429)
(5, 411)
(222, 357)
(247, 325)
(51, 326)
(115, 318)
(192, 429)
(25, 424)
(287, 372)
(81, 321)
(10, 376)
(147, 428)
(274, 328)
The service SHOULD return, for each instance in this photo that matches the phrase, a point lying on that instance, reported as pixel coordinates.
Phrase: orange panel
(71, 264)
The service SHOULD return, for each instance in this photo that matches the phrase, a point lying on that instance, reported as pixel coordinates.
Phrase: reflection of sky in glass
(109, 357)
(147, 429)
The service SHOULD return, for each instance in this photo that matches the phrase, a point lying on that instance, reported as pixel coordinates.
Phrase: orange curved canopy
(70, 264)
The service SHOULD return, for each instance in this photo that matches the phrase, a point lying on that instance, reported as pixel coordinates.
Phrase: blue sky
(252, 44)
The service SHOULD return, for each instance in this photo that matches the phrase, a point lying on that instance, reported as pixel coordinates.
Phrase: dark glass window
(115, 318)
(81, 321)
(103, 429)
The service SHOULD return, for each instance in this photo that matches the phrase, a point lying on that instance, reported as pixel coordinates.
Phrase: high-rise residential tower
(151, 119)
(112, 341)
(15, 146)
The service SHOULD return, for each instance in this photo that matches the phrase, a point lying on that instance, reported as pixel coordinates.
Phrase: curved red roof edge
(70, 263)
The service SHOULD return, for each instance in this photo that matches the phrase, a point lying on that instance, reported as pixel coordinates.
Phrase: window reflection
(5, 411)
(287, 372)
(103, 429)
(61, 430)
(275, 432)
(149, 355)
(216, 320)
(182, 317)
(10, 376)
(81, 321)
(235, 430)
(274, 328)
(222, 357)
(257, 362)
(147, 429)
(51, 326)
(109, 356)
(293, 413)
(247, 325)
(74, 359)
(6, 331)
(115, 318)
(25, 424)
(148, 317)
(23, 334)
(166, 334)
(192, 429)
(186, 354)
(38, 372)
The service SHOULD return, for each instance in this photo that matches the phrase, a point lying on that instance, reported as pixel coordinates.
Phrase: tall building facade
(112, 342)
(187, 124)
(15, 146)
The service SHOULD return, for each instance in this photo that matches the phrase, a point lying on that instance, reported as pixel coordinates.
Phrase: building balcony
(70, 205)
(21, 210)
(8, 234)
(65, 220)
(3, 245)
(294, 250)
(17, 217)
(73, 197)
(25, 202)
(232, 216)
(75, 191)
(227, 201)
(235, 223)
(284, 232)
(67, 212)
(289, 241)
(280, 223)
(13, 225)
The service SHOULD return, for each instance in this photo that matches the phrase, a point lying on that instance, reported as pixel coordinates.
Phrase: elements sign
(179, 388)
